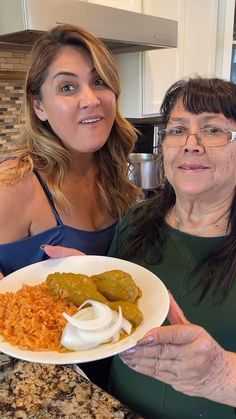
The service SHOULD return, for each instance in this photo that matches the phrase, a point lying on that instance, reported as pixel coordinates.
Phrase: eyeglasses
(207, 137)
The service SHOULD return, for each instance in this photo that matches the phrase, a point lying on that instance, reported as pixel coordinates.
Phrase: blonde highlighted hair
(40, 148)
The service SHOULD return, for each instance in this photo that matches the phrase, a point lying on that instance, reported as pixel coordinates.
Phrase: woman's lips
(192, 167)
(90, 120)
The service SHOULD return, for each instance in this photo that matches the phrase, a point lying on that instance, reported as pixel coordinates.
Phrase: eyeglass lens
(170, 139)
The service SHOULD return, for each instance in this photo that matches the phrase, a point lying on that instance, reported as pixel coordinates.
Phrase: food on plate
(117, 285)
(70, 311)
(76, 287)
(94, 324)
(114, 288)
(129, 310)
(31, 318)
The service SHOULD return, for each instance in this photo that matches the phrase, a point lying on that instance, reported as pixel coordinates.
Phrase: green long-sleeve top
(148, 396)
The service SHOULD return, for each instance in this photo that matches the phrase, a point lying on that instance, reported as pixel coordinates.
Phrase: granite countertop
(42, 391)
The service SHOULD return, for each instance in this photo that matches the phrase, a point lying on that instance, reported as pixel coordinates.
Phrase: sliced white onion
(72, 341)
(101, 316)
(125, 325)
(101, 335)
(92, 326)
(116, 337)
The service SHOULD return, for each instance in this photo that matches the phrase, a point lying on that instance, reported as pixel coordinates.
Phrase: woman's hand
(60, 251)
(186, 357)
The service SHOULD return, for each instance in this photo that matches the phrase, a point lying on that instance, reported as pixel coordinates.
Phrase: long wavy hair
(40, 148)
(198, 95)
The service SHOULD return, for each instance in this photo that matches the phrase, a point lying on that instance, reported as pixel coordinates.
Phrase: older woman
(186, 235)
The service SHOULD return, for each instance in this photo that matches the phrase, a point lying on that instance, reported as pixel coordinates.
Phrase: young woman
(66, 181)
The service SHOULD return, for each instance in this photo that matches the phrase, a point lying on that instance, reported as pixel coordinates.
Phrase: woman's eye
(176, 131)
(99, 82)
(212, 130)
(67, 88)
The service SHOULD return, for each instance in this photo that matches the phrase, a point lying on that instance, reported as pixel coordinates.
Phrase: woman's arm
(13, 202)
(19, 208)
(186, 357)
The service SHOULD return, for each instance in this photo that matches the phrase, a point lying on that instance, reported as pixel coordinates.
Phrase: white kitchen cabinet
(224, 42)
(195, 54)
(132, 5)
(160, 67)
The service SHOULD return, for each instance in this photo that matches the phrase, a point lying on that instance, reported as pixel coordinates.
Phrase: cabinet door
(225, 35)
(198, 37)
(131, 80)
(160, 67)
(132, 5)
(195, 53)
(146, 76)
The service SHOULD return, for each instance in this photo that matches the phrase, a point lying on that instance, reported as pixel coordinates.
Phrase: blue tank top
(23, 252)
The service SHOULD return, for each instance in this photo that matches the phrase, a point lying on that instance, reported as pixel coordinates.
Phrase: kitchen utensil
(143, 170)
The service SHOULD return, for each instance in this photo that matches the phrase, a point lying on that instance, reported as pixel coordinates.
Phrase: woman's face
(195, 170)
(79, 107)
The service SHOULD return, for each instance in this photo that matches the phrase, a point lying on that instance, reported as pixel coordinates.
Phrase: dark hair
(198, 95)
(201, 95)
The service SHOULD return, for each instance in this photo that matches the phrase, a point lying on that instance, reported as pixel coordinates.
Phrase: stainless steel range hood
(22, 21)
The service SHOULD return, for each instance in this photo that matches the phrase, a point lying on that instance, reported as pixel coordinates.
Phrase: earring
(41, 115)
(163, 180)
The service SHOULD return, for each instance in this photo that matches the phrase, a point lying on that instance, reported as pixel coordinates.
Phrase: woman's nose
(193, 144)
(88, 97)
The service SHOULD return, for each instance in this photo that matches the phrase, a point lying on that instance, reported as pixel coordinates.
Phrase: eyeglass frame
(231, 136)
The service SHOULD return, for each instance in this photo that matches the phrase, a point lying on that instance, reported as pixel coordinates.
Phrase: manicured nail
(130, 351)
(146, 340)
(127, 362)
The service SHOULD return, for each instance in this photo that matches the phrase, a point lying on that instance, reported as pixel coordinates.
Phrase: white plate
(154, 304)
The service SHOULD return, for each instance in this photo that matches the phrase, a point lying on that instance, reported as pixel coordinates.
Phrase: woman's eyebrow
(178, 119)
(70, 73)
(64, 73)
(207, 118)
(202, 118)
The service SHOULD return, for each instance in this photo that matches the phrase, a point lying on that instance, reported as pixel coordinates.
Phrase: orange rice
(31, 318)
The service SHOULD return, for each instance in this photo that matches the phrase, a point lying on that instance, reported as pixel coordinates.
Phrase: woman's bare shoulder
(20, 190)
(15, 201)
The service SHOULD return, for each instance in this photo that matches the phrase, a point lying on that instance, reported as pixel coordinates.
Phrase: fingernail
(127, 362)
(128, 352)
(145, 340)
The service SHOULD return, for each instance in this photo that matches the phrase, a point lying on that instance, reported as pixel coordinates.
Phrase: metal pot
(143, 170)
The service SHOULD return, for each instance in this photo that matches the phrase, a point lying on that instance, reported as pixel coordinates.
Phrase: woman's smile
(88, 121)
(192, 167)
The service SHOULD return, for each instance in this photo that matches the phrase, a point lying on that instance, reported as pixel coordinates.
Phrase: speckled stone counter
(29, 390)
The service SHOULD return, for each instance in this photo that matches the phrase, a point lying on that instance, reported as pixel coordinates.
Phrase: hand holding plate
(184, 356)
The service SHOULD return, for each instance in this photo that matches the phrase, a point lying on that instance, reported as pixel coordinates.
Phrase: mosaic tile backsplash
(13, 66)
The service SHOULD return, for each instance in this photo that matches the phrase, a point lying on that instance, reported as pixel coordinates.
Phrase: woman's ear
(39, 110)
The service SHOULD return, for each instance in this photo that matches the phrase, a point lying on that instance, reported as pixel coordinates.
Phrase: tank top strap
(49, 197)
